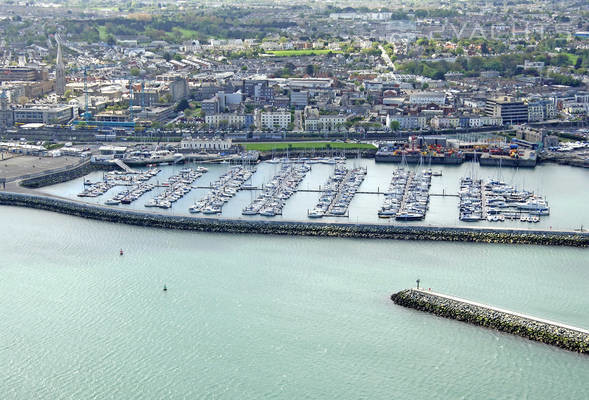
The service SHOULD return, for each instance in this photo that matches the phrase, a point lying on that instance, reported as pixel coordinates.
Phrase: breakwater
(348, 230)
(556, 334)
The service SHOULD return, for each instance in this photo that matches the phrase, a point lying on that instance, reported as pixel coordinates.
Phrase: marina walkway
(123, 166)
(318, 190)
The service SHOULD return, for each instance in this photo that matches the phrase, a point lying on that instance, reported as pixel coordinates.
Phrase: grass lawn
(53, 146)
(187, 33)
(572, 57)
(102, 32)
(304, 145)
(191, 112)
(289, 53)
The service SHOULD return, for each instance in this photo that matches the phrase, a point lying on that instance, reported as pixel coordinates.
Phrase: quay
(527, 326)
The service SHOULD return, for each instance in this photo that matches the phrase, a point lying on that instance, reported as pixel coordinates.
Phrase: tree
(110, 40)
(135, 71)
(395, 125)
(167, 56)
(579, 62)
(310, 70)
(182, 105)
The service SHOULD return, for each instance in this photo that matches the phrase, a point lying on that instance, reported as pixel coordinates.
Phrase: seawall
(553, 333)
(415, 159)
(53, 177)
(349, 230)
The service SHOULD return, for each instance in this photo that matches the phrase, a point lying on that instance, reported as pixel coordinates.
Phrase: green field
(290, 53)
(572, 58)
(187, 34)
(305, 145)
(102, 32)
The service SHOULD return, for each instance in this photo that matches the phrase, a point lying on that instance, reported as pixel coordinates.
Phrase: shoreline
(296, 228)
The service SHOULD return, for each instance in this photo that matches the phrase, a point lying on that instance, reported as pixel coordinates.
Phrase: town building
(179, 89)
(229, 120)
(272, 119)
(512, 111)
(205, 144)
(258, 90)
(44, 113)
(299, 99)
(6, 114)
(157, 113)
(425, 98)
(22, 74)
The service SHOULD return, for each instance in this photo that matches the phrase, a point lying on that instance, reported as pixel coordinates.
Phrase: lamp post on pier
(417, 283)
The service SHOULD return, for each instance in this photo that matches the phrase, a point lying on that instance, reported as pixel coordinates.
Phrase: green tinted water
(254, 317)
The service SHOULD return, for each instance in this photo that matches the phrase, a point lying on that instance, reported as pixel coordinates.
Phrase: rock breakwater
(349, 230)
(569, 338)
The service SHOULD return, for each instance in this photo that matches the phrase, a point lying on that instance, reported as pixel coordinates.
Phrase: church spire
(59, 70)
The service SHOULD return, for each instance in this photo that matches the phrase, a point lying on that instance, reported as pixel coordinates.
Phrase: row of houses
(425, 121)
(281, 119)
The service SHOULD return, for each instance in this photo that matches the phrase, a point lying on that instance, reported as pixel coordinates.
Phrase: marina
(471, 200)
(338, 192)
(407, 198)
(222, 191)
(415, 200)
(111, 179)
(177, 186)
(371, 196)
(272, 199)
(128, 196)
(495, 201)
(335, 296)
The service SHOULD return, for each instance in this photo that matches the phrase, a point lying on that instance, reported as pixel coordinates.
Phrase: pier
(542, 330)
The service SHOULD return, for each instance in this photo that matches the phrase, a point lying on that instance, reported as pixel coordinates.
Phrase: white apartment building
(491, 121)
(205, 144)
(424, 98)
(273, 119)
(331, 122)
(226, 120)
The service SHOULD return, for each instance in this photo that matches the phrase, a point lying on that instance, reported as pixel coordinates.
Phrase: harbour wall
(508, 162)
(569, 338)
(294, 153)
(47, 178)
(415, 159)
(346, 230)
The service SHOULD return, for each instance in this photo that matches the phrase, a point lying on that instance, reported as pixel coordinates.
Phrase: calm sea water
(566, 189)
(254, 317)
